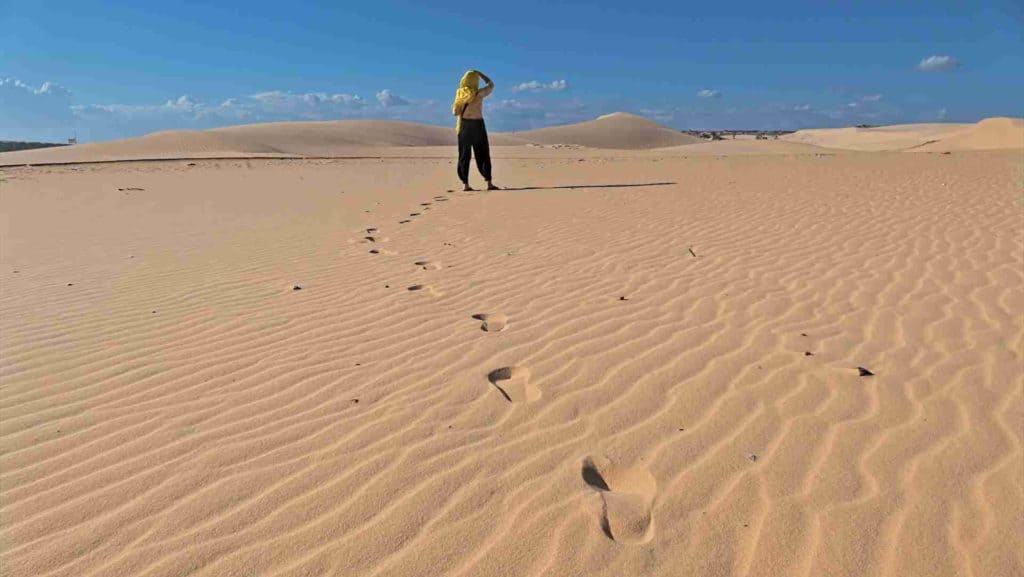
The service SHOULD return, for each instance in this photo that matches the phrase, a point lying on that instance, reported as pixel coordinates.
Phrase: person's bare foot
(467, 188)
(491, 186)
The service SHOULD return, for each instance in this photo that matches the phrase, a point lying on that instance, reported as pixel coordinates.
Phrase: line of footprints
(626, 493)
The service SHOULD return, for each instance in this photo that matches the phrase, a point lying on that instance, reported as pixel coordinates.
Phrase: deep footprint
(627, 494)
(492, 322)
(514, 384)
(424, 288)
(382, 251)
(428, 265)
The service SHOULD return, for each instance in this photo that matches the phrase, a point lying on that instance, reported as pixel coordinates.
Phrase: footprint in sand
(425, 203)
(627, 494)
(428, 264)
(492, 322)
(414, 214)
(382, 251)
(373, 238)
(424, 288)
(371, 230)
(514, 384)
(404, 221)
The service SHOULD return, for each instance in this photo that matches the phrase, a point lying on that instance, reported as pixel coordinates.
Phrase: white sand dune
(619, 130)
(880, 138)
(325, 138)
(639, 363)
(343, 138)
(277, 139)
(988, 134)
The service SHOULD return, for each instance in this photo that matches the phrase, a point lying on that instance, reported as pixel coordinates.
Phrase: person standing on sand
(469, 108)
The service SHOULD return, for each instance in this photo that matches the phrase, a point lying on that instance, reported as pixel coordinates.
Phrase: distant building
(73, 140)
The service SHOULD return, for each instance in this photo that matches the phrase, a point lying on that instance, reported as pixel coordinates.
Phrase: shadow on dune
(571, 186)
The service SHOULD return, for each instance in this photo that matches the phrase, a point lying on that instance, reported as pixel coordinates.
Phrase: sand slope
(278, 139)
(619, 130)
(323, 138)
(895, 137)
(988, 134)
(343, 138)
(622, 366)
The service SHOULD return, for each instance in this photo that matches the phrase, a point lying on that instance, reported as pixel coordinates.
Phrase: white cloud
(28, 113)
(536, 86)
(942, 114)
(307, 105)
(708, 93)
(54, 89)
(47, 88)
(937, 64)
(871, 98)
(183, 103)
(386, 98)
(801, 107)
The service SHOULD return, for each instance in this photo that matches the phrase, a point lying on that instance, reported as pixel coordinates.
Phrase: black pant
(473, 140)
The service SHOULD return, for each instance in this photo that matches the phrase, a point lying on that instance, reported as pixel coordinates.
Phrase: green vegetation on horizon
(12, 145)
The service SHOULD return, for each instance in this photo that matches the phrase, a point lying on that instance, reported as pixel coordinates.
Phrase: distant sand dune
(618, 131)
(613, 131)
(988, 134)
(344, 138)
(287, 139)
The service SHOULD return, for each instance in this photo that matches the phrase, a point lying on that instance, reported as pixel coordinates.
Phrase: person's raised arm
(486, 90)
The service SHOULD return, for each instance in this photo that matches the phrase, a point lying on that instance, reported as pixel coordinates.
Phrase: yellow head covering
(468, 87)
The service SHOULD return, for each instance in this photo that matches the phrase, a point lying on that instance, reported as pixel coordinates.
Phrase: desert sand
(614, 131)
(725, 358)
(347, 138)
(987, 134)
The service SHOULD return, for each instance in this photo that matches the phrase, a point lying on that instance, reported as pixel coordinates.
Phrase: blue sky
(123, 68)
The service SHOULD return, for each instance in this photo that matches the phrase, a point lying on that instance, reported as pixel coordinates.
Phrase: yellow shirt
(475, 108)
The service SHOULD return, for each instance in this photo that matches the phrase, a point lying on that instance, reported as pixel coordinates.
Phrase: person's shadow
(572, 186)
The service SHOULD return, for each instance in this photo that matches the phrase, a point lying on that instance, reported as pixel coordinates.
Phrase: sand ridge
(346, 138)
(172, 405)
(617, 134)
(612, 131)
(987, 134)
